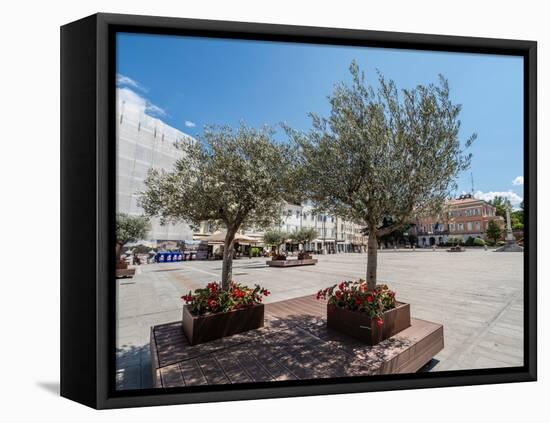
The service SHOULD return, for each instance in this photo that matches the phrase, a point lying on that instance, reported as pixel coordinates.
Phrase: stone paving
(477, 295)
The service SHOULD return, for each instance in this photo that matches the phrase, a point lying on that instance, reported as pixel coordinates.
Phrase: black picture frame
(88, 199)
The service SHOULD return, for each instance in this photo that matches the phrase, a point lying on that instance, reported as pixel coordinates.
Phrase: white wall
(30, 181)
(144, 142)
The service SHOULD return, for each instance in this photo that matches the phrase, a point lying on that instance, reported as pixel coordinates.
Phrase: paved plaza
(477, 296)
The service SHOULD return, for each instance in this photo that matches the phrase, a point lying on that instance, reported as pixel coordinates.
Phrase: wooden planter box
(125, 273)
(359, 325)
(290, 263)
(122, 270)
(207, 327)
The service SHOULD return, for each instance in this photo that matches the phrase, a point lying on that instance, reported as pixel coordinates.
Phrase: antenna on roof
(472, 178)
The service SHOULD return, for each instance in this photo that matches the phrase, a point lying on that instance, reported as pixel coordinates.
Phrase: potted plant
(368, 315)
(385, 182)
(128, 229)
(275, 238)
(213, 312)
(304, 255)
(304, 236)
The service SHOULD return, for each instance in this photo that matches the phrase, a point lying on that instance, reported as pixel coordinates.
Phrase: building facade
(144, 142)
(464, 217)
(334, 234)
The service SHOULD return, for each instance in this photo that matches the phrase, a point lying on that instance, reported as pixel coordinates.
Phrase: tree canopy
(501, 204)
(131, 228)
(303, 235)
(383, 154)
(232, 178)
(275, 238)
(493, 231)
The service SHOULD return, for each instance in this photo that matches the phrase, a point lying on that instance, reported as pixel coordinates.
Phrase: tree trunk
(227, 266)
(372, 259)
(118, 250)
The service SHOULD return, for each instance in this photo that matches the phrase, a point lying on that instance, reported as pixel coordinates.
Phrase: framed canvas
(258, 211)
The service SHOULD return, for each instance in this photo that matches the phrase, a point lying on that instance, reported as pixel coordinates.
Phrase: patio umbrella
(219, 238)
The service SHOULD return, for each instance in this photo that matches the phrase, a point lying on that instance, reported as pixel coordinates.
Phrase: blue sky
(189, 82)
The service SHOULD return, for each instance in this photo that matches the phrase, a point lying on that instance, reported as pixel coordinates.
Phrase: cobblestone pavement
(477, 295)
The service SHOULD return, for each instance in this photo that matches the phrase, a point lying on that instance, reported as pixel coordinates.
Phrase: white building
(334, 234)
(144, 142)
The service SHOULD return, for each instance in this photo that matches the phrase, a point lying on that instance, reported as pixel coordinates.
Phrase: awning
(219, 238)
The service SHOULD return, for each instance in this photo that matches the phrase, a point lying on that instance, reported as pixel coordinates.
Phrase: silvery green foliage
(231, 178)
(383, 154)
(275, 238)
(228, 177)
(303, 235)
(131, 228)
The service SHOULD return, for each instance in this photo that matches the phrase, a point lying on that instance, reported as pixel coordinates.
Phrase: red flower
(358, 301)
(187, 298)
(379, 322)
(212, 304)
(338, 294)
(341, 286)
(266, 292)
(369, 298)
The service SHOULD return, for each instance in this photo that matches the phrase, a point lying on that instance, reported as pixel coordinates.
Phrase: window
(469, 225)
(461, 226)
(478, 226)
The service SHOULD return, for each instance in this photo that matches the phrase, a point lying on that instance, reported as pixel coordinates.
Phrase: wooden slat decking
(294, 344)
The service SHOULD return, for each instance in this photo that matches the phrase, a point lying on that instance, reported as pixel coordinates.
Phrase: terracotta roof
(460, 201)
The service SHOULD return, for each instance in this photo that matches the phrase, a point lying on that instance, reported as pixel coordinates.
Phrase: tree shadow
(133, 367)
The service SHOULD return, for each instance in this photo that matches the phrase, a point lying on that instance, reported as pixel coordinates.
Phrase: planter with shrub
(371, 316)
(303, 255)
(212, 312)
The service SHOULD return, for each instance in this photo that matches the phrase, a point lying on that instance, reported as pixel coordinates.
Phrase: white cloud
(123, 80)
(154, 110)
(190, 124)
(131, 99)
(518, 180)
(514, 198)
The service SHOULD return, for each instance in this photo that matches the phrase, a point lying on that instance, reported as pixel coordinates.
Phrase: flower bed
(369, 315)
(212, 312)
(214, 299)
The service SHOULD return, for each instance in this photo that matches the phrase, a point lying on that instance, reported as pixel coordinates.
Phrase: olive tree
(232, 178)
(382, 155)
(274, 238)
(129, 229)
(303, 235)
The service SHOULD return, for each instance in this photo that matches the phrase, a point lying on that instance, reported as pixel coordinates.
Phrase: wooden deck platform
(294, 344)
